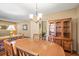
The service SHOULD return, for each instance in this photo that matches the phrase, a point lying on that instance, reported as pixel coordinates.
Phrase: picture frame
(3, 27)
(25, 27)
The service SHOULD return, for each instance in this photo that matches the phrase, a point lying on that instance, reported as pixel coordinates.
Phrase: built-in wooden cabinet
(60, 31)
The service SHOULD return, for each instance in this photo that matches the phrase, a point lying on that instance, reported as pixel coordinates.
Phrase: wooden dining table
(42, 47)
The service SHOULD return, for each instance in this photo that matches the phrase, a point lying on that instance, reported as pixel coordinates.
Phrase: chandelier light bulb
(40, 15)
(31, 16)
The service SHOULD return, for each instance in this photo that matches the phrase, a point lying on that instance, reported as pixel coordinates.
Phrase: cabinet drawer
(67, 45)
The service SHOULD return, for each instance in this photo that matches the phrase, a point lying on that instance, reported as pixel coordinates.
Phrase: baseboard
(73, 51)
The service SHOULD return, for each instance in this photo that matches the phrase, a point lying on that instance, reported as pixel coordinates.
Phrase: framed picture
(3, 27)
(25, 27)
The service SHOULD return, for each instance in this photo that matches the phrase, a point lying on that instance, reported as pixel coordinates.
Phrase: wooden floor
(66, 53)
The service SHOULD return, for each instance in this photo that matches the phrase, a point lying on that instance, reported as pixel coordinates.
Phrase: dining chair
(8, 48)
(21, 52)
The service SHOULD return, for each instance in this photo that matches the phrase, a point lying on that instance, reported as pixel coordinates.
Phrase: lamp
(37, 15)
(11, 28)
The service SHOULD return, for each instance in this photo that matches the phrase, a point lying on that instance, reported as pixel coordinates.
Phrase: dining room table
(42, 47)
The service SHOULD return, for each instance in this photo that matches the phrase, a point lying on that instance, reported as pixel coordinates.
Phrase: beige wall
(33, 28)
(74, 14)
(20, 28)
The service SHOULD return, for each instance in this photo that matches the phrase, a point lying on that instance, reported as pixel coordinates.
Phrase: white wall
(34, 28)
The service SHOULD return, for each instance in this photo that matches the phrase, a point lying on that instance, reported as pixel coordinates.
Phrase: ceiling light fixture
(37, 15)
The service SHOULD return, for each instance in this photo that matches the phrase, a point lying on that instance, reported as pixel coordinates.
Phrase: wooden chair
(8, 48)
(21, 52)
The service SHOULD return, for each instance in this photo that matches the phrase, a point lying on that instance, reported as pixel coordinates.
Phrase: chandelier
(37, 17)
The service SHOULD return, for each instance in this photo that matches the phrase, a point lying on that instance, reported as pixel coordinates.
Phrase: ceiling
(20, 11)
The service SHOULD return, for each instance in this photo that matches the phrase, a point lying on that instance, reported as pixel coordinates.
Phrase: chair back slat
(21, 52)
(8, 48)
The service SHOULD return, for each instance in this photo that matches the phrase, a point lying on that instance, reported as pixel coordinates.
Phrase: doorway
(43, 29)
